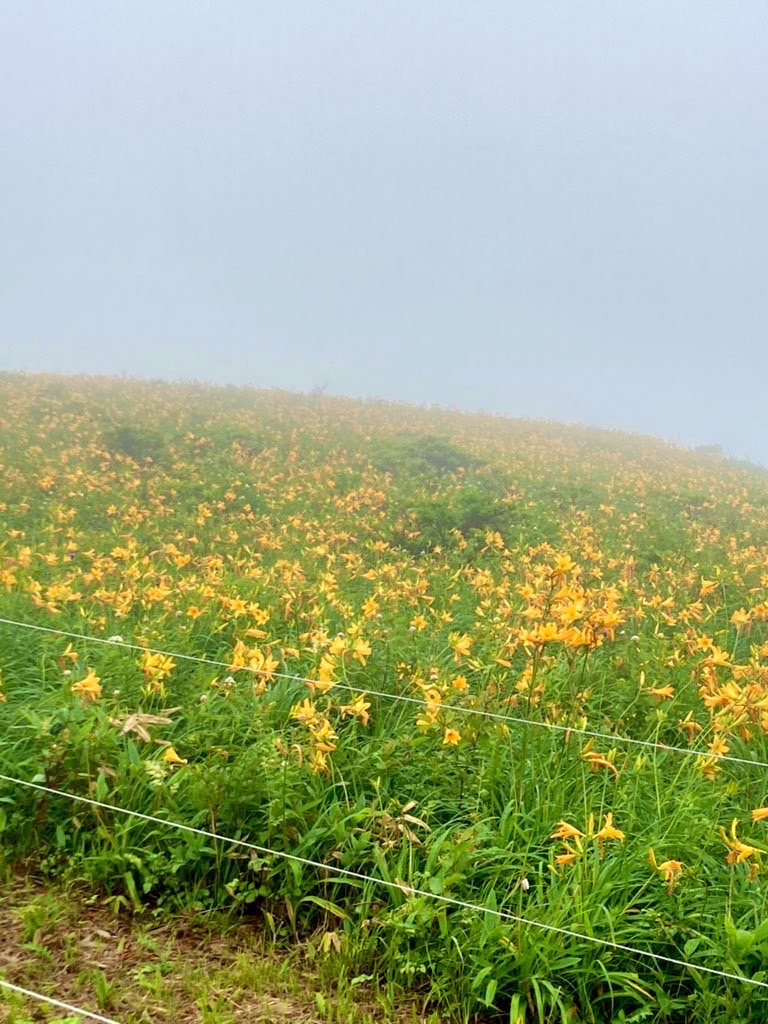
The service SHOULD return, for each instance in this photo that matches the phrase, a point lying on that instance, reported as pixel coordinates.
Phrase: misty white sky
(546, 209)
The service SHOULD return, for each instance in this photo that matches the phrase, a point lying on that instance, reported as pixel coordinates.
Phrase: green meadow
(466, 716)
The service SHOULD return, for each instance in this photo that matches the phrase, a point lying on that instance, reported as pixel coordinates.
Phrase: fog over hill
(536, 209)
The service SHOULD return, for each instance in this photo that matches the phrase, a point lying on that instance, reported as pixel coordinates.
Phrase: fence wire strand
(89, 1014)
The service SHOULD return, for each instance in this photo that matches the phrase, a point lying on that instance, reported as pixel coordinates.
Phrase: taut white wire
(56, 1002)
(409, 890)
(493, 715)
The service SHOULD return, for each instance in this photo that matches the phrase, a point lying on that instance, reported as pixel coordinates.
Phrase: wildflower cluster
(577, 843)
(369, 604)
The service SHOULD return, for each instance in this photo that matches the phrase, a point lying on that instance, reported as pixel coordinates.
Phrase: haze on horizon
(542, 209)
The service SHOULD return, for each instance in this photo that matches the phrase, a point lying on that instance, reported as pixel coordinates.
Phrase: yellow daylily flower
(88, 688)
(608, 831)
(738, 852)
(670, 870)
(171, 757)
(566, 831)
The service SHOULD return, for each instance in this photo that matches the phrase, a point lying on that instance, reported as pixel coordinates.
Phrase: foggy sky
(545, 209)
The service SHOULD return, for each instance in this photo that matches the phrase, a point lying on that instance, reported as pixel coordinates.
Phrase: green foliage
(289, 528)
(135, 442)
(461, 513)
(413, 456)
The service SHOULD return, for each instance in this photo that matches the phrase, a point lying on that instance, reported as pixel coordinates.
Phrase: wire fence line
(403, 887)
(89, 1014)
(404, 698)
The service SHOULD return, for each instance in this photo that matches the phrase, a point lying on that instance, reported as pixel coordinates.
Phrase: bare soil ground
(136, 970)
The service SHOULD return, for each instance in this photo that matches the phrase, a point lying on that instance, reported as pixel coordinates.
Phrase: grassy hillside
(437, 636)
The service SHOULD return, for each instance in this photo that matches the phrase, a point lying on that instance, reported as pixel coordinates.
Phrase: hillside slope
(453, 655)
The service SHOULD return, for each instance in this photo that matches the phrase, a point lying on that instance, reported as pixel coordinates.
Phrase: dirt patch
(71, 949)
